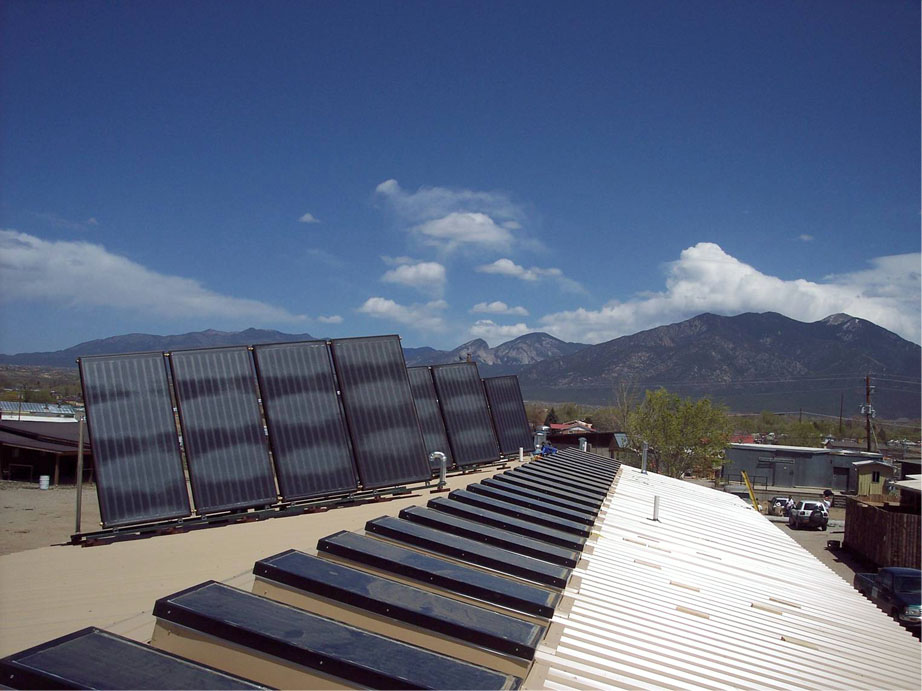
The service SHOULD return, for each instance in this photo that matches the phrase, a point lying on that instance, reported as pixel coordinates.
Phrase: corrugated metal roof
(712, 595)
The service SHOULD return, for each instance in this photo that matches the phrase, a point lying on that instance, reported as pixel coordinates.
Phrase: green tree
(803, 433)
(551, 418)
(683, 435)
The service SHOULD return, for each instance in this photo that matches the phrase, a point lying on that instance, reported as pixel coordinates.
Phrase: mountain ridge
(751, 361)
(741, 360)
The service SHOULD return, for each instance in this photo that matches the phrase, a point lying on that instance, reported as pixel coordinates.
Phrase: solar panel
(513, 525)
(402, 602)
(468, 550)
(222, 429)
(386, 439)
(490, 535)
(139, 473)
(96, 659)
(429, 413)
(508, 412)
(464, 409)
(293, 640)
(441, 573)
(307, 430)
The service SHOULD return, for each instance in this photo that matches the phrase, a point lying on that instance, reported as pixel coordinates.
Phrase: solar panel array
(465, 412)
(460, 593)
(289, 422)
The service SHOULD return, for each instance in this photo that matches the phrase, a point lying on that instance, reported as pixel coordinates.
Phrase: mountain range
(751, 362)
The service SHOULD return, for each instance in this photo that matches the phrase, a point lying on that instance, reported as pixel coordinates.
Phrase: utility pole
(841, 409)
(867, 410)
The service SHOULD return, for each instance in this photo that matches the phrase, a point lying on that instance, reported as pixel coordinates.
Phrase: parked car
(777, 505)
(896, 590)
(809, 514)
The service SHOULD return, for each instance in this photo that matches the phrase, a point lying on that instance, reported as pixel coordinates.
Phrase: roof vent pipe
(656, 508)
(442, 459)
(643, 461)
(541, 436)
(583, 444)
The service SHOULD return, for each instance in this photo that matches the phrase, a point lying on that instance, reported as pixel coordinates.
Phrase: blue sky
(451, 170)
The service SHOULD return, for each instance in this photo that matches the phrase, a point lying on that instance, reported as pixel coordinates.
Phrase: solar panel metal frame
(226, 447)
(308, 436)
(507, 409)
(387, 442)
(429, 413)
(136, 453)
(466, 415)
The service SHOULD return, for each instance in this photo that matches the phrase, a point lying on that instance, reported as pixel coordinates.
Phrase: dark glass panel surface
(464, 409)
(386, 439)
(307, 430)
(139, 474)
(223, 434)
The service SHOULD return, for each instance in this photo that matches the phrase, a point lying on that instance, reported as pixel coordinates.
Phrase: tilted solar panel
(429, 413)
(307, 431)
(386, 439)
(464, 409)
(508, 411)
(222, 428)
(139, 474)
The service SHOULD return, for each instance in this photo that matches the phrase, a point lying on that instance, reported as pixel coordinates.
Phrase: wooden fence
(887, 536)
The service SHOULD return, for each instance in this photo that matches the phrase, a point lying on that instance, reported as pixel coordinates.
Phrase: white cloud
(418, 316)
(428, 203)
(85, 274)
(805, 238)
(498, 307)
(707, 279)
(428, 276)
(507, 267)
(309, 218)
(332, 319)
(492, 332)
(450, 219)
(467, 228)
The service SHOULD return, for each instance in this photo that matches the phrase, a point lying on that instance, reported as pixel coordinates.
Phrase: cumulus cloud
(309, 218)
(332, 319)
(507, 267)
(429, 276)
(494, 333)
(82, 273)
(805, 238)
(418, 316)
(498, 307)
(707, 279)
(435, 202)
(450, 219)
(458, 229)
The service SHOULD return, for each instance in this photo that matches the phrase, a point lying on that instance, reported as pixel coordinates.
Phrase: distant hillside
(752, 362)
(139, 343)
(506, 358)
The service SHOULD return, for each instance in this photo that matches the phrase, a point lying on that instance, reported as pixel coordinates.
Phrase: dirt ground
(32, 517)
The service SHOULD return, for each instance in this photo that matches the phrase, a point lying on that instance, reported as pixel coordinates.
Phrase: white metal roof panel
(712, 595)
